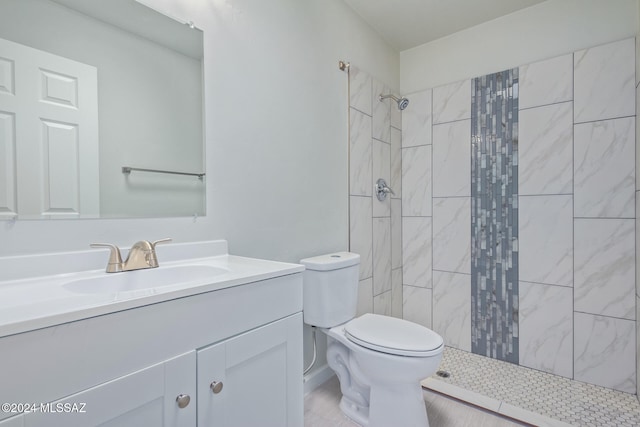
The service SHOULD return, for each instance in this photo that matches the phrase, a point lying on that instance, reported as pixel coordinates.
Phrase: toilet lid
(394, 336)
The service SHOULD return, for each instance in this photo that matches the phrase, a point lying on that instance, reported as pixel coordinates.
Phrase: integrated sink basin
(44, 290)
(111, 283)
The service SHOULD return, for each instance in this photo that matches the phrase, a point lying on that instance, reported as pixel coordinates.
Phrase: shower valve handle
(382, 189)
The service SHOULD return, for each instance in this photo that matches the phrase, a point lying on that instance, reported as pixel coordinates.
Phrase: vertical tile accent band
(494, 215)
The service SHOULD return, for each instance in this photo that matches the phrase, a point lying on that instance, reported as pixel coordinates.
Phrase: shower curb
(493, 405)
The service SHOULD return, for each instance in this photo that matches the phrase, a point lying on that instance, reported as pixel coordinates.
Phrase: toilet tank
(330, 288)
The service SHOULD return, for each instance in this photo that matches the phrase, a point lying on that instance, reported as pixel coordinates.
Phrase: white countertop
(29, 303)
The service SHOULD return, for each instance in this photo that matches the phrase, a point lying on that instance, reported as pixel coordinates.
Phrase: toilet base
(397, 405)
(394, 408)
(374, 399)
(357, 414)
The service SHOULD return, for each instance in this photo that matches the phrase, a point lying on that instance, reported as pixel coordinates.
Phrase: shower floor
(531, 396)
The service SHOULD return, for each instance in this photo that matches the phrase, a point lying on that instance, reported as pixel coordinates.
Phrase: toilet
(379, 360)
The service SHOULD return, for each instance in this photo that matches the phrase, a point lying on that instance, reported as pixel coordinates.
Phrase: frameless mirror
(89, 88)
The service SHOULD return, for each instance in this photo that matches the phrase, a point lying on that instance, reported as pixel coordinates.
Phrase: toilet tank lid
(331, 261)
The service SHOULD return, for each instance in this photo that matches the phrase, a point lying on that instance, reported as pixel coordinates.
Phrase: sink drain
(443, 374)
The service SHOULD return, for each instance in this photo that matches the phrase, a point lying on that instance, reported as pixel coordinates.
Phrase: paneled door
(254, 379)
(48, 135)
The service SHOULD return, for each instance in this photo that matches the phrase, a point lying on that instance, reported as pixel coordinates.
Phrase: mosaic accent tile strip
(556, 397)
(494, 215)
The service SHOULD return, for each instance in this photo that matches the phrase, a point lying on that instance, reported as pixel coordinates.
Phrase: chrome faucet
(141, 255)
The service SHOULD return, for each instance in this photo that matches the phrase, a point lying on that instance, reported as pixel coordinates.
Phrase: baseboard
(316, 378)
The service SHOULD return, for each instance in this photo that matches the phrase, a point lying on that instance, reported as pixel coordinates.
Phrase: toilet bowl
(379, 360)
(380, 384)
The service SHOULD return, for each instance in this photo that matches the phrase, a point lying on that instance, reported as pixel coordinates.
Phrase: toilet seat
(393, 336)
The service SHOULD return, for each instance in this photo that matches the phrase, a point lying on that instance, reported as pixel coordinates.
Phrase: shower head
(402, 102)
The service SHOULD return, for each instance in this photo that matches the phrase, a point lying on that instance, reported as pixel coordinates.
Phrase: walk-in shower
(402, 102)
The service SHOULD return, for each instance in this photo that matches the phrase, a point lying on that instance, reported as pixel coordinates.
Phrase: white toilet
(379, 360)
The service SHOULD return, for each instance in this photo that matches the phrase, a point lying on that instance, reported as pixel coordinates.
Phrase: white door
(258, 378)
(144, 398)
(48, 135)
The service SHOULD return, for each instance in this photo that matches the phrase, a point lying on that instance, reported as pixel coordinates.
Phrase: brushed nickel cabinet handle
(216, 387)
(183, 400)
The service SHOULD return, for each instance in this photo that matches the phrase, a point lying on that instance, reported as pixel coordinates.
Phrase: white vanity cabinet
(148, 397)
(134, 367)
(252, 379)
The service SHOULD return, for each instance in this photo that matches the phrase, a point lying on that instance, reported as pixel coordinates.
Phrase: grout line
(607, 218)
(547, 105)
(432, 221)
(603, 315)
(450, 121)
(451, 272)
(451, 197)
(603, 119)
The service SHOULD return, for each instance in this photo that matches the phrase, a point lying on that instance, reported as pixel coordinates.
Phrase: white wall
(277, 130)
(545, 30)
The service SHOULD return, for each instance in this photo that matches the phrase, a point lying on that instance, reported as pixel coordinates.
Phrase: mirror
(87, 88)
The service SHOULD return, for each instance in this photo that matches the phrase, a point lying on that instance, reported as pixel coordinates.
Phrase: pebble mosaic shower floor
(517, 391)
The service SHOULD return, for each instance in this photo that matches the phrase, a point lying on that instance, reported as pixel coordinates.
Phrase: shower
(402, 102)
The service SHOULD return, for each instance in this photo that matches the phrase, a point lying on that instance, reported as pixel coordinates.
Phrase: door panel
(261, 372)
(54, 103)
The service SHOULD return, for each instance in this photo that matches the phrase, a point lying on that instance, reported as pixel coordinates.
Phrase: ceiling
(408, 23)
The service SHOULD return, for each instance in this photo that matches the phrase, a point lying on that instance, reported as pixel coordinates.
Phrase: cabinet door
(143, 398)
(258, 378)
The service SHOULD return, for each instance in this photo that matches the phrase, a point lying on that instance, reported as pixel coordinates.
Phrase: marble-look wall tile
(545, 156)
(452, 102)
(637, 62)
(416, 305)
(452, 234)
(416, 120)
(638, 134)
(381, 255)
(604, 351)
(361, 234)
(416, 251)
(604, 176)
(360, 163)
(604, 81)
(381, 112)
(381, 169)
(452, 308)
(605, 267)
(638, 252)
(452, 159)
(365, 297)
(416, 181)
(382, 304)
(546, 328)
(546, 239)
(360, 90)
(396, 163)
(546, 82)
(637, 346)
(396, 233)
(396, 116)
(396, 293)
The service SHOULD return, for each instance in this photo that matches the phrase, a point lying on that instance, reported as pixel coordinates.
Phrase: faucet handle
(115, 259)
(152, 258)
(153, 244)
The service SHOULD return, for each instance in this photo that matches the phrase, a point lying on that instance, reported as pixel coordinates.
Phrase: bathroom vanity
(223, 350)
